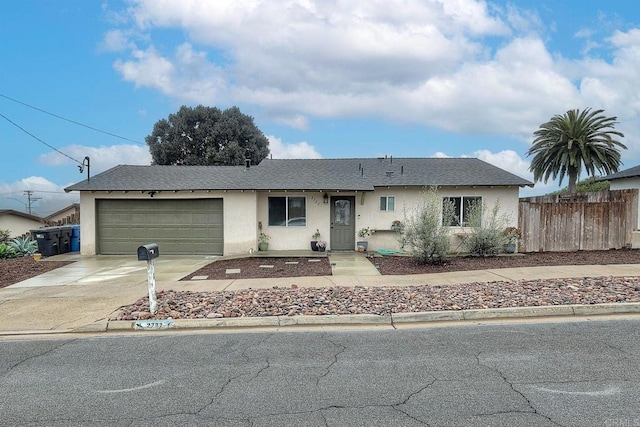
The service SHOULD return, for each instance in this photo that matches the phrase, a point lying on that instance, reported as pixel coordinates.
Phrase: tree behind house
(207, 136)
(567, 143)
(587, 186)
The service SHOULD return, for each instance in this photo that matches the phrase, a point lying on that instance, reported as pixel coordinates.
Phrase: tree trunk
(573, 179)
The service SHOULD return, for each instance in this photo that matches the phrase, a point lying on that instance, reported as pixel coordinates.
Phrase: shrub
(423, 235)
(4, 236)
(487, 237)
(24, 246)
(7, 251)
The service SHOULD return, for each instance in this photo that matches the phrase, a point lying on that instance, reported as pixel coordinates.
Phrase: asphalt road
(547, 374)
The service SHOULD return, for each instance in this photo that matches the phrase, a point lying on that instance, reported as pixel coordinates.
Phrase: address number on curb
(153, 324)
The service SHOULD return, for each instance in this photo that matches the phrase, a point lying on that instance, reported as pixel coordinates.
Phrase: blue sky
(330, 78)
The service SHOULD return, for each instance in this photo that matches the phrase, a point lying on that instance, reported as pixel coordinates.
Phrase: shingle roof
(304, 174)
(20, 214)
(627, 173)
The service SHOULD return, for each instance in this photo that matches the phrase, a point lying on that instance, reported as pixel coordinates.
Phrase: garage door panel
(178, 226)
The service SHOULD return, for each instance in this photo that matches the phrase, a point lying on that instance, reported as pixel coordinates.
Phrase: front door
(343, 224)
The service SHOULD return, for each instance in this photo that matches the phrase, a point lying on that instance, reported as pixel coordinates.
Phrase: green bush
(423, 236)
(24, 246)
(487, 237)
(7, 251)
(4, 236)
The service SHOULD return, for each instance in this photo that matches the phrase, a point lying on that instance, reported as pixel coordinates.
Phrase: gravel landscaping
(292, 300)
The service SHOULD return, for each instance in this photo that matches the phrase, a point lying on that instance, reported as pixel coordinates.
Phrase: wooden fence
(589, 221)
(69, 219)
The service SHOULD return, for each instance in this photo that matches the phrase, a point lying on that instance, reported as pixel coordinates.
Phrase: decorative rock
(292, 300)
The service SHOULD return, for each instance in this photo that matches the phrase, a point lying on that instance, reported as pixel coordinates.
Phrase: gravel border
(294, 301)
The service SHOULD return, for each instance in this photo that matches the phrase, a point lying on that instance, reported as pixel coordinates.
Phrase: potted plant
(314, 240)
(363, 233)
(512, 236)
(321, 245)
(263, 242)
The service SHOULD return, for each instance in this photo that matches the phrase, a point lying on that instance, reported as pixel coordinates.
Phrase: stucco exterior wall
(299, 237)
(368, 214)
(17, 225)
(240, 226)
(244, 211)
(627, 184)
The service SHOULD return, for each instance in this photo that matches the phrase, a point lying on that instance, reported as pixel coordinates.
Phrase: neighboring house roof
(304, 174)
(627, 173)
(73, 207)
(20, 214)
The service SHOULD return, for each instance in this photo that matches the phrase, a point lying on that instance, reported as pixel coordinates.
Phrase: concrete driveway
(87, 290)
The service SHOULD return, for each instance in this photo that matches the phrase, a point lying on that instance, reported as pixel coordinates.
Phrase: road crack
(515, 390)
(26, 359)
(340, 349)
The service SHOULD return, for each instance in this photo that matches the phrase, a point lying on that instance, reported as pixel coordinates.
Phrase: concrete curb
(510, 313)
(370, 319)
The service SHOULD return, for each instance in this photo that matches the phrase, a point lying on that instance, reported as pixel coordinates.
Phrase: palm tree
(567, 142)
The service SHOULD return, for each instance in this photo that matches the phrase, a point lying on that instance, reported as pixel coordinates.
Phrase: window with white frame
(288, 211)
(387, 203)
(461, 207)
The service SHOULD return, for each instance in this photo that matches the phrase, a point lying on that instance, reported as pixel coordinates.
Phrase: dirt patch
(400, 265)
(16, 270)
(406, 265)
(262, 268)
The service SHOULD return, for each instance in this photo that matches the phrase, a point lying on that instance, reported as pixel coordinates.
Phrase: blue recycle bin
(75, 238)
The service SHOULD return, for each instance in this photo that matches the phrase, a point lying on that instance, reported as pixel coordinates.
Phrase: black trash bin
(64, 239)
(48, 240)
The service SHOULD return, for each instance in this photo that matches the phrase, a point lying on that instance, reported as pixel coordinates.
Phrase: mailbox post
(148, 253)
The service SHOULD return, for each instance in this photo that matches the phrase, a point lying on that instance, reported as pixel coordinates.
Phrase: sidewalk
(80, 297)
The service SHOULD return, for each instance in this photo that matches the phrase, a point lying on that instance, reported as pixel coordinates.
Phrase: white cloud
(464, 66)
(116, 41)
(47, 197)
(440, 155)
(188, 76)
(101, 158)
(300, 150)
(508, 160)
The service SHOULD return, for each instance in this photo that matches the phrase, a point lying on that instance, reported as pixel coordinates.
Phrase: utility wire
(38, 139)
(71, 121)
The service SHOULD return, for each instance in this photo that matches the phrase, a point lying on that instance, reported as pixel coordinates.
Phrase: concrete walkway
(81, 296)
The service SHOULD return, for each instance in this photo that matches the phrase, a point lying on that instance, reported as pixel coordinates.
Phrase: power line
(31, 198)
(71, 121)
(38, 139)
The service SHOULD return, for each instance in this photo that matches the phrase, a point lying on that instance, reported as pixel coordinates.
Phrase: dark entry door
(343, 228)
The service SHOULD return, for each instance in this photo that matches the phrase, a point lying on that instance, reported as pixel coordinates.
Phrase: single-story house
(66, 215)
(19, 223)
(221, 210)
